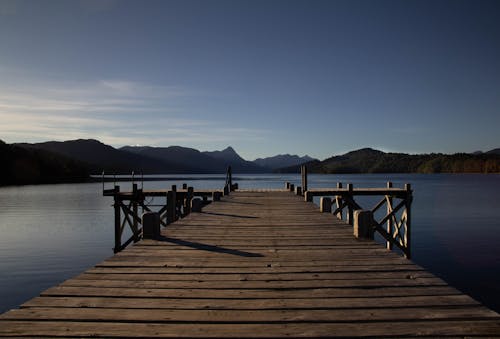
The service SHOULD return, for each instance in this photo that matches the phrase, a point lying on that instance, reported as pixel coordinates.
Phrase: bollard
(308, 196)
(216, 196)
(298, 190)
(325, 205)
(363, 224)
(196, 205)
(150, 225)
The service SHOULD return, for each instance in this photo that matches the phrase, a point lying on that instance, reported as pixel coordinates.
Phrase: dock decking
(255, 264)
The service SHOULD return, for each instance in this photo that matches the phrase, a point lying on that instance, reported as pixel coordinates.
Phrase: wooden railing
(175, 204)
(393, 224)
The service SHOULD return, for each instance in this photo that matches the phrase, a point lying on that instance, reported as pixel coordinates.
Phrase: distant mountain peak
(282, 160)
(229, 149)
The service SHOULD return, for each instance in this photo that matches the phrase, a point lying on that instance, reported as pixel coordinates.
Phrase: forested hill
(22, 166)
(368, 160)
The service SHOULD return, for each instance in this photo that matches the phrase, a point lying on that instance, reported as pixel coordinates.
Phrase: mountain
(199, 162)
(494, 151)
(194, 160)
(229, 156)
(282, 160)
(99, 157)
(368, 160)
(23, 166)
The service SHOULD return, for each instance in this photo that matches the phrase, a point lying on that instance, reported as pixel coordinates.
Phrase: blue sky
(266, 77)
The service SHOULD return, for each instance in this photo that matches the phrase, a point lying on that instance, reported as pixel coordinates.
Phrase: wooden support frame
(394, 226)
(128, 204)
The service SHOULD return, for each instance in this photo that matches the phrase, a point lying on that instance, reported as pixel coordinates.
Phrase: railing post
(135, 197)
(230, 174)
(389, 222)
(350, 210)
(338, 202)
(408, 201)
(118, 233)
(187, 200)
(303, 171)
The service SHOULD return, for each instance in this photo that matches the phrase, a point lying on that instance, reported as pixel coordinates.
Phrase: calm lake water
(50, 233)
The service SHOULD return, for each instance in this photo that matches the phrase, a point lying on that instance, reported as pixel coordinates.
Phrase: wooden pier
(257, 264)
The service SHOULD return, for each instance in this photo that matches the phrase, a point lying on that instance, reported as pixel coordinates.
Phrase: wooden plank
(289, 330)
(251, 316)
(344, 303)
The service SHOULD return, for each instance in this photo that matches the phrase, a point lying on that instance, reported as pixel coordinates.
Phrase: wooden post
(363, 224)
(216, 195)
(150, 225)
(184, 186)
(230, 176)
(298, 190)
(196, 205)
(226, 190)
(292, 187)
(287, 185)
(389, 222)
(304, 178)
(407, 237)
(325, 205)
(308, 196)
(187, 202)
(338, 201)
(135, 198)
(118, 220)
(350, 209)
(172, 205)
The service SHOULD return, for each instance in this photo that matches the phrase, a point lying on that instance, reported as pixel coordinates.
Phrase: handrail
(394, 226)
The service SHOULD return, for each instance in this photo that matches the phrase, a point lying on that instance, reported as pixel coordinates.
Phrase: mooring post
(118, 233)
(184, 186)
(350, 209)
(150, 225)
(407, 237)
(216, 195)
(308, 196)
(389, 222)
(325, 205)
(292, 187)
(230, 173)
(196, 205)
(287, 185)
(298, 190)
(363, 224)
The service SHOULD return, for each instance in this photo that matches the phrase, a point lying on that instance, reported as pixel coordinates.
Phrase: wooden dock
(254, 265)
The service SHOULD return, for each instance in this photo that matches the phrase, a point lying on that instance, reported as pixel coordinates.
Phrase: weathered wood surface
(254, 265)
